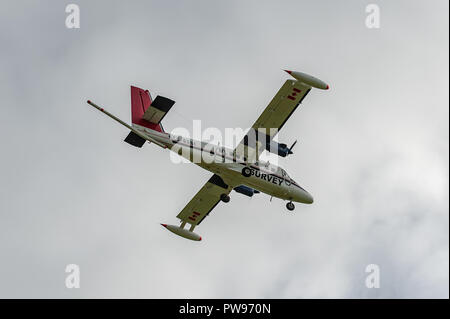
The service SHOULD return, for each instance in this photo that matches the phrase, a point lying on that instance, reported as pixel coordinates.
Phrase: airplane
(238, 169)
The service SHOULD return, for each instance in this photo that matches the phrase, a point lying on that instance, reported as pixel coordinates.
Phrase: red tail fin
(140, 101)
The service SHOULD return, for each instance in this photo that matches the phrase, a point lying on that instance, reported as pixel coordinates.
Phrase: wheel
(247, 172)
(290, 206)
(225, 198)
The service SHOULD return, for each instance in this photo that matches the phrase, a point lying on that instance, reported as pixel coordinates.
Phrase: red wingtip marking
(288, 71)
(328, 86)
(89, 101)
(165, 225)
(200, 239)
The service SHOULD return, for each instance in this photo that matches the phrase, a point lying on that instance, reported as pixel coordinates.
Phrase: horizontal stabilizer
(135, 140)
(158, 109)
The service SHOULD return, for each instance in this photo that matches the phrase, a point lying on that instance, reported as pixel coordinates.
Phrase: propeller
(292, 146)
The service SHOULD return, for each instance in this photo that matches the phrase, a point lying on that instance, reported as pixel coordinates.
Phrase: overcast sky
(373, 150)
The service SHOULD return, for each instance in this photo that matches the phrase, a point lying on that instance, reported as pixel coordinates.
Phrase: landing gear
(225, 198)
(246, 172)
(290, 206)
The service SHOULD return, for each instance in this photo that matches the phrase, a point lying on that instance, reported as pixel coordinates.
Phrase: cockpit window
(285, 175)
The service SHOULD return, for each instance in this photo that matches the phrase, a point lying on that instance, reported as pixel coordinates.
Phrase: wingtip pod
(308, 79)
(182, 232)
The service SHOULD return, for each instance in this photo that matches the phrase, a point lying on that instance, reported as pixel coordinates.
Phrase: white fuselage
(233, 169)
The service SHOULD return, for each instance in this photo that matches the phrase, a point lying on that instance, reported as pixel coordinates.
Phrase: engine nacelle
(248, 191)
(278, 148)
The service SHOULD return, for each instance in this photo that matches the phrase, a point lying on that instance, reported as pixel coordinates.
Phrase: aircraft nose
(308, 198)
(300, 195)
(304, 197)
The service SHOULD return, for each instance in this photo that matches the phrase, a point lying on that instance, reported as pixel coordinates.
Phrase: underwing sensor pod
(248, 191)
(240, 168)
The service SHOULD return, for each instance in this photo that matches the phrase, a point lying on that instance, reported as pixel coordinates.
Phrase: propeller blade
(292, 146)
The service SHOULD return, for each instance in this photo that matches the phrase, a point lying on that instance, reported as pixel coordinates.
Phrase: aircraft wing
(284, 103)
(204, 201)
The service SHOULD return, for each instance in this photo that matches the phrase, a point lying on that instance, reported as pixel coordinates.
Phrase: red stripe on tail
(140, 101)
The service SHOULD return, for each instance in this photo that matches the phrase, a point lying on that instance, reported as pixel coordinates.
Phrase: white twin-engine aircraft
(239, 169)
